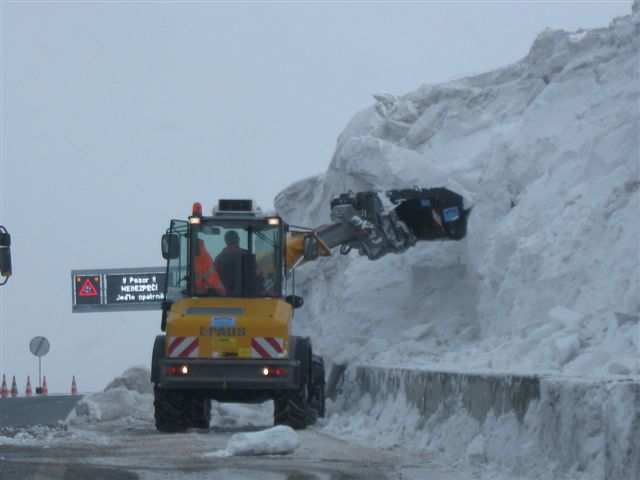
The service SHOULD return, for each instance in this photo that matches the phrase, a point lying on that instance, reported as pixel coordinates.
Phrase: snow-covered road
(115, 451)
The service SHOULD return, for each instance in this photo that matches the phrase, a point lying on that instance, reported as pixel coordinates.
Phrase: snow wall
(532, 426)
(548, 151)
(545, 286)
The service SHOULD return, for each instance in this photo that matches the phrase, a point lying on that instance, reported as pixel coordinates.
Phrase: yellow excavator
(5, 255)
(230, 297)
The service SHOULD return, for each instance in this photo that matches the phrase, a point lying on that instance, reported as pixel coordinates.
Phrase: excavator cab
(230, 254)
(5, 255)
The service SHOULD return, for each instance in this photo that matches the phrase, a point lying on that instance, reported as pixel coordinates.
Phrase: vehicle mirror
(296, 301)
(5, 253)
(170, 246)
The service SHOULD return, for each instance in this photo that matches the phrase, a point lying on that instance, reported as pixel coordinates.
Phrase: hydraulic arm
(361, 222)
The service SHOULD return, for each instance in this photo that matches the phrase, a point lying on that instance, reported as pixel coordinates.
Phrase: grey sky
(117, 116)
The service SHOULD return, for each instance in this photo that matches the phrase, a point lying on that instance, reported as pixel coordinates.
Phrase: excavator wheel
(200, 412)
(294, 408)
(177, 411)
(171, 410)
(317, 399)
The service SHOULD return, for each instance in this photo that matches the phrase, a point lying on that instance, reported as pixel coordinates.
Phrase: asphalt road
(116, 452)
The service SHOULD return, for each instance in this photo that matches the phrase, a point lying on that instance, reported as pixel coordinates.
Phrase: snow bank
(136, 379)
(533, 427)
(278, 440)
(548, 149)
(127, 399)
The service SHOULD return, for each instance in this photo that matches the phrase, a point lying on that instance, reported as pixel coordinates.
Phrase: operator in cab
(207, 279)
(229, 264)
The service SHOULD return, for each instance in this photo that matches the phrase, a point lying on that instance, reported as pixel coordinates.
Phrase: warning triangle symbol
(88, 289)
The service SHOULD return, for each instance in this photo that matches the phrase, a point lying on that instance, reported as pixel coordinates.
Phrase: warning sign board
(135, 288)
(120, 289)
(88, 289)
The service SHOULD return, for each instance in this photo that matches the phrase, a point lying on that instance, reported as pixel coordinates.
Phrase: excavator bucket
(419, 214)
(432, 214)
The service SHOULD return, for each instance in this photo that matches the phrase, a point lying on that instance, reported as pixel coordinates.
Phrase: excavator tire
(293, 408)
(172, 409)
(200, 413)
(177, 411)
(157, 355)
(317, 398)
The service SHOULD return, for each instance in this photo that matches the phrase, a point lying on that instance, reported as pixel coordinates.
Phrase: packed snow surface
(548, 279)
(278, 440)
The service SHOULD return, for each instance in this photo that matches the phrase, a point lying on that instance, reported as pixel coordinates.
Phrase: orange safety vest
(206, 275)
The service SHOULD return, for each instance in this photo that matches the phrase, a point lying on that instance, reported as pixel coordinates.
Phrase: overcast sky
(117, 116)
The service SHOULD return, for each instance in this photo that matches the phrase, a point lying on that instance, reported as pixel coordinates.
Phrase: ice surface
(278, 440)
(549, 151)
(39, 435)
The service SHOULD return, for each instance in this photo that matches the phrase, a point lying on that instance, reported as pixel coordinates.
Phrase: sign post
(39, 346)
(118, 289)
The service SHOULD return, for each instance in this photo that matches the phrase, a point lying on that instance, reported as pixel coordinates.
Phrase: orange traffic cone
(45, 389)
(14, 387)
(28, 392)
(74, 387)
(4, 391)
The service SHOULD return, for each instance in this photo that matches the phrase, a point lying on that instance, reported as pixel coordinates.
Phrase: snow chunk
(127, 399)
(278, 440)
(618, 369)
(118, 404)
(476, 451)
(233, 415)
(566, 348)
(565, 316)
(137, 379)
(578, 36)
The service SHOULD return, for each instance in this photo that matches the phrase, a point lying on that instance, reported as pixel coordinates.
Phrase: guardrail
(567, 423)
(29, 411)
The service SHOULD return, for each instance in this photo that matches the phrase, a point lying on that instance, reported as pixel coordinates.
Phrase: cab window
(236, 260)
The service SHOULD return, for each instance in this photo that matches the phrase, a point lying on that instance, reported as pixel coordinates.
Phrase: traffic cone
(14, 387)
(45, 389)
(4, 391)
(74, 387)
(28, 392)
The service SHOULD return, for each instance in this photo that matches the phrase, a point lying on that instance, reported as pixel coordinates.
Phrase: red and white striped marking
(267, 347)
(183, 347)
